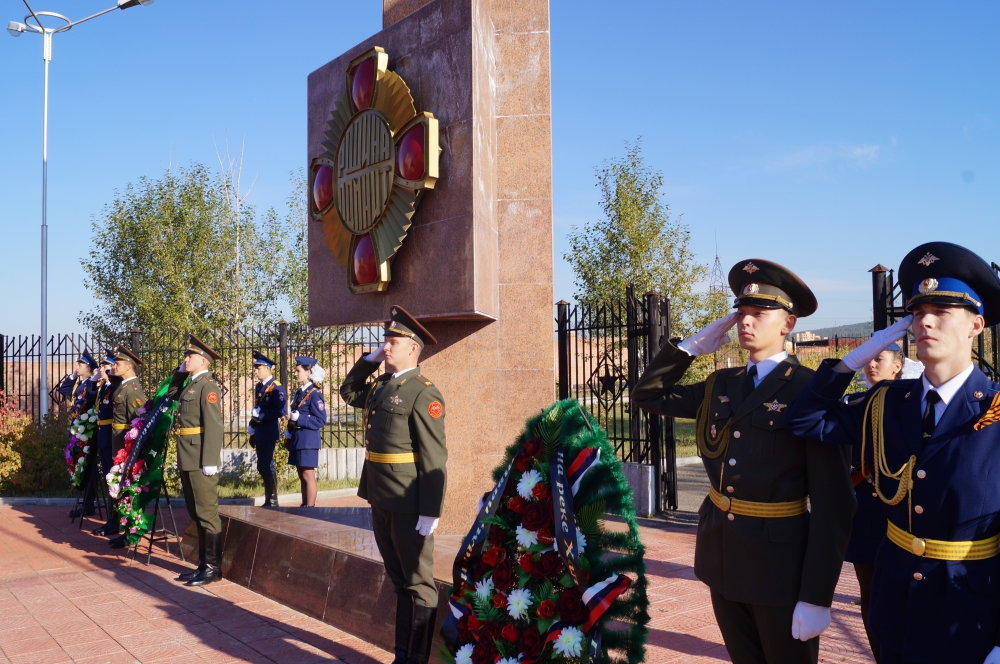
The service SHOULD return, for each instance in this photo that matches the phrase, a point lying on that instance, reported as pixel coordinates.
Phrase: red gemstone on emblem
(365, 270)
(410, 158)
(363, 84)
(322, 187)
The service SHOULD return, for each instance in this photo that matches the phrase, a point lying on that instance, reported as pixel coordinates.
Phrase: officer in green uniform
(774, 528)
(404, 475)
(198, 425)
(126, 402)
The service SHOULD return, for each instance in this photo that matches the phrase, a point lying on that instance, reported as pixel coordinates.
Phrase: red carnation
(531, 642)
(540, 491)
(493, 556)
(548, 566)
(121, 456)
(503, 576)
(525, 561)
(516, 505)
(500, 601)
(537, 515)
(571, 608)
(138, 467)
(475, 624)
(546, 609)
(545, 535)
(509, 632)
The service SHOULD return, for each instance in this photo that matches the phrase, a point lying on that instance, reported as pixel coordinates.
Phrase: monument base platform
(321, 561)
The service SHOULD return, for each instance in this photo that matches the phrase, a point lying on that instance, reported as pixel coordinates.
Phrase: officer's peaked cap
(945, 273)
(402, 324)
(762, 283)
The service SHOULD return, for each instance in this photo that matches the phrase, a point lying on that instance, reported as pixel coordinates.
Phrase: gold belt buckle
(918, 546)
(725, 503)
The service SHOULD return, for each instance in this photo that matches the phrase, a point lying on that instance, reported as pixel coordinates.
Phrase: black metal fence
(336, 349)
(601, 352)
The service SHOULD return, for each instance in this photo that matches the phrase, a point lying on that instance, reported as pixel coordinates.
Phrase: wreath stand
(101, 504)
(161, 534)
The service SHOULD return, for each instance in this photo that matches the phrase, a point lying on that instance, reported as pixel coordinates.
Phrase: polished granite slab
(321, 561)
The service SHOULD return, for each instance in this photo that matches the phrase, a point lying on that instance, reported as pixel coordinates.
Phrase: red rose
(548, 566)
(531, 448)
(464, 635)
(545, 535)
(525, 561)
(546, 609)
(475, 624)
(509, 632)
(516, 505)
(540, 491)
(489, 631)
(521, 464)
(500, 601)
(496, 536)
(483, 652)
(503, 576)
(531, 642)
(493, 556)
(571, 608)
(537, 515)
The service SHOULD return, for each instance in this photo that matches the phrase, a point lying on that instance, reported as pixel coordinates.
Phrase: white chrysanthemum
(526, 538)
(82, 436)
(484, 589)
(464, 654)
(510, 660)
(581, 542)
(569, 643)
(518, 603)
(76, 422)
(86, 448)
(527, 483)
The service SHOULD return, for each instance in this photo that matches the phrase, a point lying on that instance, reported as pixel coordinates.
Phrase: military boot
(213, 561)
(422, 634)
(109, 529)
(187, 576)
(119, 542)
(270, 490)
(404, 622)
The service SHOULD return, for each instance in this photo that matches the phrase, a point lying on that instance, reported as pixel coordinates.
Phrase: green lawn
(231, 488)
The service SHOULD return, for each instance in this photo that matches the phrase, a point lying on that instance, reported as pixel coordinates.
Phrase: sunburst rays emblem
(379, 157)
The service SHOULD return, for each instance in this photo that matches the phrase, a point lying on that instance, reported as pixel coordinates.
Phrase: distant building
(807, 336)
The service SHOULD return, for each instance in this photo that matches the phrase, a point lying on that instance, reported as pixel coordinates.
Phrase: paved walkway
(65, 596)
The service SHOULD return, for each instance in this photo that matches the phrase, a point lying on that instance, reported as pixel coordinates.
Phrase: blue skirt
(303, 458)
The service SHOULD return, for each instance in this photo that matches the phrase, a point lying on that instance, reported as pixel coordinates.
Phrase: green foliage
(295, 273)
(13, 424)
(636, 242)
(39, 452)
(589, 520)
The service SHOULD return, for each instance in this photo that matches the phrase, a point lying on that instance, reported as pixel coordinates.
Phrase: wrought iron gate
(601, 352)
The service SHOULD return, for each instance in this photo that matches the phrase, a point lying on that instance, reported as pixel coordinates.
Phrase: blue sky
(826, 136)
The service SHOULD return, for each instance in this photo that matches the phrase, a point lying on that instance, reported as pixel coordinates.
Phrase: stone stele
(476, 266)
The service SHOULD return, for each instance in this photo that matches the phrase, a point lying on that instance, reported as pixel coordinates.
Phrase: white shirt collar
(266, 381)
(764, 367)
(128, 379)
(947, 391)
(306, 386)
(400, 373)
(198, 374)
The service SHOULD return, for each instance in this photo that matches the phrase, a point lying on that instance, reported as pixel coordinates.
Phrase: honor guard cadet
(79, 385)
(198, 425)
(932, 446)
(265, 424)
(773, 529)
(125, 404)
(105, 417)
(404, 476)
(306, 418)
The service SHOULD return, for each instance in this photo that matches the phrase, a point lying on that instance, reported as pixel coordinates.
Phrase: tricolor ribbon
(585, 460)
(600, 596)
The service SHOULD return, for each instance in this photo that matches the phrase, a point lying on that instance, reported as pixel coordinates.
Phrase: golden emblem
(918, 546)
(750, 268)
(725, 503)
(775, 407)
(928, 259)
(977, 394)
(378, 159)
(751, 289)
(928, 285)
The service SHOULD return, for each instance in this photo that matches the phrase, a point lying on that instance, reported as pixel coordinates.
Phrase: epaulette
(423, 381)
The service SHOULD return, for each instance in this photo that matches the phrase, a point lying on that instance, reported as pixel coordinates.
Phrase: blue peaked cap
(260, 358)
(88, 359)
(307, 362)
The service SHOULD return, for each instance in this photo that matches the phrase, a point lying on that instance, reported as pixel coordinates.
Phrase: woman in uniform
(307, 415)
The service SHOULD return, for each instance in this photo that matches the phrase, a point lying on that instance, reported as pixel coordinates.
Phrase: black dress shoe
(119, 542)
(107, 530)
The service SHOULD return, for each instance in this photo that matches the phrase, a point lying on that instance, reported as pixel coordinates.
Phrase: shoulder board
(423, 381)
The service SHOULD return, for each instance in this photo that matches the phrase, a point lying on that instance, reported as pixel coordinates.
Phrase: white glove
(288, 435)
(294, 417)
(809, 620)
(74, 374)
(251, 430)
(208, 471)
(255, 412)
(711, 339)
(869, 350)
(993, 657)
(426, 525)
(378, 356)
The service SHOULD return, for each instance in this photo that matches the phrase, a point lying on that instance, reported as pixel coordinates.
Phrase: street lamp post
(16, 29)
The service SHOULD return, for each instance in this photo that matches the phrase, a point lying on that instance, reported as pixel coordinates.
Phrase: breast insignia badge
(723, 399)
(775, 407)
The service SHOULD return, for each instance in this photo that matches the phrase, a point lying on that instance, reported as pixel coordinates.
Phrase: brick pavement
(66, 597)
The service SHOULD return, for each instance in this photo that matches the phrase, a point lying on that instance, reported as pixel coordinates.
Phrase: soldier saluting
(404, 475)
(125, 404)
(105, 417)
(932, 446)
(198, 425)
(771, 563)
(80, 385)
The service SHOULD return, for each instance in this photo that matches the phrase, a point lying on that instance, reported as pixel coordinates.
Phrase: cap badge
(751, 289)
(928, 259)
(392, 325)
(394, 312)
(750, 268)
(928, 285)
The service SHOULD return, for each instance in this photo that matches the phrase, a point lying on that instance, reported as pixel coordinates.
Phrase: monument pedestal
(321, 561)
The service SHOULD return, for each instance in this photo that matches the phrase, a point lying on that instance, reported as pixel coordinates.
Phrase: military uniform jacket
(952, 613)
(312, 417)
(125, 404)
(403, 414)
(105, 411)
(868, 527)
(755, 560)
(199, 405)
(83, 391)
(270, 399)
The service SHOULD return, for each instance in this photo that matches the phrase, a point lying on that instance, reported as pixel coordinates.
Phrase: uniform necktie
(750, 383)
(930, 419)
